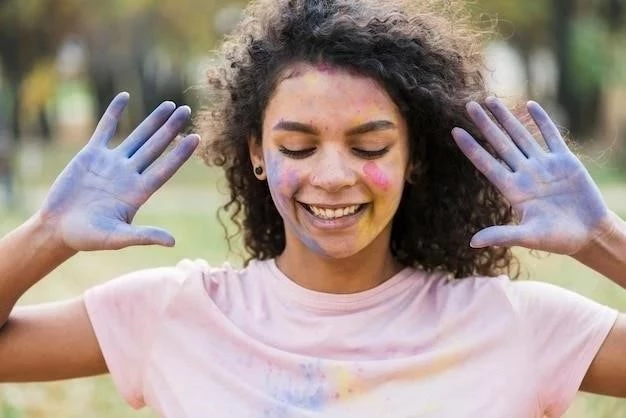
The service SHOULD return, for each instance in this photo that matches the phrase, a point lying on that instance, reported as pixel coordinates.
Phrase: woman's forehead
(311, 91)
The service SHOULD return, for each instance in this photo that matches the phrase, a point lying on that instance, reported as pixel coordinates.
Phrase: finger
(154, 147)
(502, 144)
(147, 128)
(547, 127)
(164, 169)
(516, 130)
(502, 236)
(108, 123)
(495, 172)
(128, 235)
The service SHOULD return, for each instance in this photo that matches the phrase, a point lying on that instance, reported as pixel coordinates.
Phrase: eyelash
(370, 155)
(299, 154)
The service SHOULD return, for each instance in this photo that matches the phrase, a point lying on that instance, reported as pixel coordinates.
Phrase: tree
(30, 32)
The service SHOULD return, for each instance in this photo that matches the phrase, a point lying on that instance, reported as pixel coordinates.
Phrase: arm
(560, 210)
(90, 207)
(606, 253)
(51, 332)
(33, 255)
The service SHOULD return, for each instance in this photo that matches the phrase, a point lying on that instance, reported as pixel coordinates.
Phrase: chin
(338, 252)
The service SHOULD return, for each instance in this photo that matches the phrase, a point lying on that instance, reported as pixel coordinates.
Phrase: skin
(317, 130)
(560, 209)
(89, 208)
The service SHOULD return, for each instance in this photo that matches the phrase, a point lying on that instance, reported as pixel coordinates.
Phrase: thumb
(128, 235)
(501, 236)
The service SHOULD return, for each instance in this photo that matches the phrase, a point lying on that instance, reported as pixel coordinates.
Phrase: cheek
(376, 176)
(282, 179)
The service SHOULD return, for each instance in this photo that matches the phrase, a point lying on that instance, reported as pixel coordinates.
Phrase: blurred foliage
(590, 64)
(517, 20)
(153, 48)
(32, 30)
(587, 38)
(149, 46)
(9, 411)
(145, 46)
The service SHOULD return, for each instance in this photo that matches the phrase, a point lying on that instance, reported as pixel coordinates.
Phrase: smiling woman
(376, 196)
(421, 81)
(330, 138)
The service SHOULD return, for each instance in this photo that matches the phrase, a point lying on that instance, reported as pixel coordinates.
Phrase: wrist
(606, 250)
(611, 230)
(33, 249)
(45, 236)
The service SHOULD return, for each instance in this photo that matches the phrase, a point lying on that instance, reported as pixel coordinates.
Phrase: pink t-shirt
(195, 341)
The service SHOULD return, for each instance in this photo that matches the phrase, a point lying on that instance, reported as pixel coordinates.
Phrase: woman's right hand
(93, 201)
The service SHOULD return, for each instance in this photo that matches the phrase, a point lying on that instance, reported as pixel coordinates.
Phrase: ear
(407, 171)
(256, 158)
(413, 172)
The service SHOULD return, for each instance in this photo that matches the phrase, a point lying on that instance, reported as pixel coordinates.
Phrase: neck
(362, 271)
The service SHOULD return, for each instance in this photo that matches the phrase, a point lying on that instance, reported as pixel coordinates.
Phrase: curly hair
(428, 57)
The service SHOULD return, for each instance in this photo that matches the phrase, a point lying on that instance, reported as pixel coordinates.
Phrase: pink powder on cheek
(376, 175)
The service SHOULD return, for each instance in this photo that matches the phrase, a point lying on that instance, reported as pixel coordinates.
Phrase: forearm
(607, 253)
(29, 253)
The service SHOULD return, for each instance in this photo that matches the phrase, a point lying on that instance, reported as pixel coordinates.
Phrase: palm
(559, 207)
(95, 198)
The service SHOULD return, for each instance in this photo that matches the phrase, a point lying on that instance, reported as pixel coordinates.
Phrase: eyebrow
(375, 125)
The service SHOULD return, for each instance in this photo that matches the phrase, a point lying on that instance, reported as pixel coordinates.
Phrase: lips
(331, 213)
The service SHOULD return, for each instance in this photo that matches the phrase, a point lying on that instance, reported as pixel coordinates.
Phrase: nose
(332, 171)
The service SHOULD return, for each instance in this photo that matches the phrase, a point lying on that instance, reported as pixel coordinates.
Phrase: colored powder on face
(326, 68)
(376, 175)
(283, 184)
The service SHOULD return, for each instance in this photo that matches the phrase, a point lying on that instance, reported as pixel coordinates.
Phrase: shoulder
(526, 300)
(517, 292)
(539, 307)
(157, 287)
(468, 290)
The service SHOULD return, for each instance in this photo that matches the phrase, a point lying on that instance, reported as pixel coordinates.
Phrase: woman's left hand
(559, 207)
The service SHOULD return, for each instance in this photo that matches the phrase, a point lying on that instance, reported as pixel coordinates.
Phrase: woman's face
(335, 154)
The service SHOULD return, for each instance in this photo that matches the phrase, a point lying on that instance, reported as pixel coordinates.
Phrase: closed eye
(370, 154)
(297, 154)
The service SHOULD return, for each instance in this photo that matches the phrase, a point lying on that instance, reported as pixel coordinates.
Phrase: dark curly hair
(427, 56)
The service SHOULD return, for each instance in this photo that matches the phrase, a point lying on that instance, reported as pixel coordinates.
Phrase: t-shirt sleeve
(564, 333)
(124, 314)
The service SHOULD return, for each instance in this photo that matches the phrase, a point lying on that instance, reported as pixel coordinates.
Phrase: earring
(258, 170)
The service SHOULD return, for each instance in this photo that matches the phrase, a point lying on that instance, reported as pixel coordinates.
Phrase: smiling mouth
(333, 213)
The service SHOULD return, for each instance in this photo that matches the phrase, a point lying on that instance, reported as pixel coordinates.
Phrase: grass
(187, 207)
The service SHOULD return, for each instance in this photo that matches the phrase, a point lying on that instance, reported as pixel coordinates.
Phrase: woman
(377, 201)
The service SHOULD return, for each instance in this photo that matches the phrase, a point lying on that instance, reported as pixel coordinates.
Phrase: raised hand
(559, 207)
(93, 201)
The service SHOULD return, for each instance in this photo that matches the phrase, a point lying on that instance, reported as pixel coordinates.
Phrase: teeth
(333, 213)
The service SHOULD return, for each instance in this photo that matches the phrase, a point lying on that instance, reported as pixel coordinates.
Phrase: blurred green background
(61, 61)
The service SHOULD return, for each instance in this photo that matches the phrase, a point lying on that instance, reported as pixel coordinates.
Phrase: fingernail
(475, 244)
(474, 107)
(532, 103)
(192, 139)
(491, 101)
